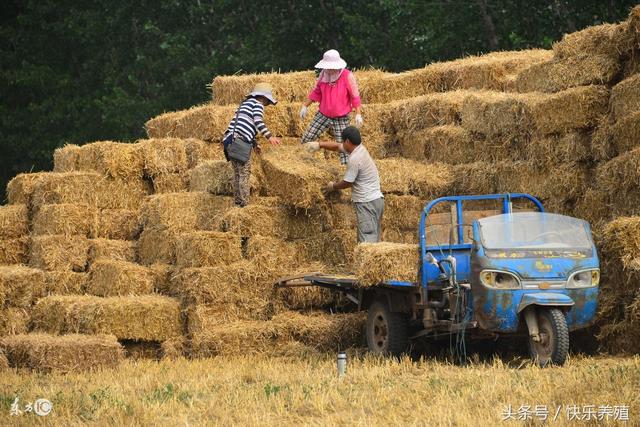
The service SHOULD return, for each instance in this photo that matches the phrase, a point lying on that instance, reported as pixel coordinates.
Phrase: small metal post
(342, 364)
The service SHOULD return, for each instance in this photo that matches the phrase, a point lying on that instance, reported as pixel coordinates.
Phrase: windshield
(534, 231)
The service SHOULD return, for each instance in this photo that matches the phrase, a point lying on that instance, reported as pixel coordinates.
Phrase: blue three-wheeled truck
(510, 271)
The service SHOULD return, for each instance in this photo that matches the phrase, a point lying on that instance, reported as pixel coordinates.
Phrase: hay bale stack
(297, 177)
(255, 220)
(145, 318)
(183, 211)
(496, 113)
(613, 139)
(20, 286)
(163, 156)
(118, 224)
(402, 212)
(207, 249)
(14, 221)
(67, 188)
(322, 331)
(199, 151)
(157, 246)
(118, 194)
(65, 282)
(619, 299)
(375, 263)
(625, 97)
(14, 251)
(447, 144)
(170, 183)
(425, 111)
(164, 125)
(240, 289)
(117, 160)
(14, 321)
(287, 87)
(557, 149)
(65, 158)
(21, 187)
(59, 252)
(403, 176)
(109, 278)
(613, 40)
(270, 254)
(65, 219)
(560, 74)
(66, 353)
(117, 250)
(216, 177)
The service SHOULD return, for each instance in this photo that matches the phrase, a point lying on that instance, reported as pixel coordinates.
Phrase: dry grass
(146, 318)
(613, 40)
(65, 353)
(207, 249)
(20, 286)
(611, 140)
(625, 97)
(21, 187)
(157, 246)
(14, 321)
(618, 177)
(183, 211)
(254, 390)
(117, 160)
(118, 224)
(403, 176)
(375, 263)
(109, 278)
(14, 251)
(65, 282)
(65, 219)
(65, 158)
(120, 250)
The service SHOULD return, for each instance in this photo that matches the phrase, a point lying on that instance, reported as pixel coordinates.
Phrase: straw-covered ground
(306, 390)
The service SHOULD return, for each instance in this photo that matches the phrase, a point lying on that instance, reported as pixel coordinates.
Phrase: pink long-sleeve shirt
(339, 98)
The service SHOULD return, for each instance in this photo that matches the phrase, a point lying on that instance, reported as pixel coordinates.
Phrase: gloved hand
(312, 146)
(359, 120)
(303, 112)
(330, 187)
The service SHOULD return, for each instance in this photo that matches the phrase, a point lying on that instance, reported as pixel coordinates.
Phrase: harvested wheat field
(134, 291)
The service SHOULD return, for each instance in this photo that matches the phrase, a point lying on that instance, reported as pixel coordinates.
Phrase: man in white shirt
(363, 179)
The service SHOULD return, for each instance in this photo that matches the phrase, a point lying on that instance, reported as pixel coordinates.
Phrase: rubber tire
(397, 341)
(553, 321)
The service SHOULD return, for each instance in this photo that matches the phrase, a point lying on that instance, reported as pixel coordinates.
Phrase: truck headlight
(499, 280)
(584, 279)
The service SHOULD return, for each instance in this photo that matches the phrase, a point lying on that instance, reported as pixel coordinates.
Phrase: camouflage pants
(241, 185)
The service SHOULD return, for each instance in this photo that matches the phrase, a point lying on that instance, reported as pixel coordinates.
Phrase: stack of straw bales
(141, 241)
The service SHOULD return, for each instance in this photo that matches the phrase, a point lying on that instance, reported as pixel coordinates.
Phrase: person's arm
(337, 186)
(350, 177)
(331, 146)
(354, 95)
(258, 121)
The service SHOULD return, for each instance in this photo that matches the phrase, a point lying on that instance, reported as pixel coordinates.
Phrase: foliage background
(81, 71)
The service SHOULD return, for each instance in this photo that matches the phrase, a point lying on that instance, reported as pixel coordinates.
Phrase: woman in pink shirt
(337, 92)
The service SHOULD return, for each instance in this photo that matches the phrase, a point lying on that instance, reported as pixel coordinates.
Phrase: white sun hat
(264, 89)
(331, 61)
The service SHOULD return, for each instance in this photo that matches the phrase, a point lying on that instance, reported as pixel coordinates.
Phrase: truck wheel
(387, 332)
(553, 346)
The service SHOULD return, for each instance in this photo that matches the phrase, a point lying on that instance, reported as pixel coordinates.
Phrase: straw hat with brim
(264, 89)
(331, 61)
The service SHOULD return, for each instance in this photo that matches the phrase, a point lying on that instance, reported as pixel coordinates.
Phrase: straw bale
(216, 177)
(66, 353)
(402, 212)
(68, 188)
(65, 158)
(145, 318)
(287, 87)
(593, 207)
(117, 160)
(375, 263)
(625, 97)
(163, 274)
(4, 362)
(199, 151)
(426, 111)
(323, 331)
(14, 251)
(404, 176)
(447, 143)
(559, 149)
(184, 211)
(254, 220)
(112, 277)
(65, 282)
(118, 224)
(338, 248)
(21, 187)
(170, 182)
(396, 235)
(341, 215)
(625, 134)
(614, 40)
(14, 221)
(560, 74)
(14, 321)
(164, 125)
(59, 252)
(65, 219)
(164, 156)
(174, 348)
(275, 255)
(240, 289)
(207, 249)
(296, 176)
(20, 286)
(308, 297)
(576, 108)
(620, 179)
(118, 194)
(495, 113)
(117, 250)
(140, 350)
(157, 246)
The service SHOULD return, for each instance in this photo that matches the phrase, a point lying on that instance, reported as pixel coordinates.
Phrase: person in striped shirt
(247, 122)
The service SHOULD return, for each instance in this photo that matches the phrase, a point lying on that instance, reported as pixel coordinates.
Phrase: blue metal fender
(545, 299)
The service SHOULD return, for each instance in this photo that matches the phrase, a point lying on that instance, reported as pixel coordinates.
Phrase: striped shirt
(250, 116)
